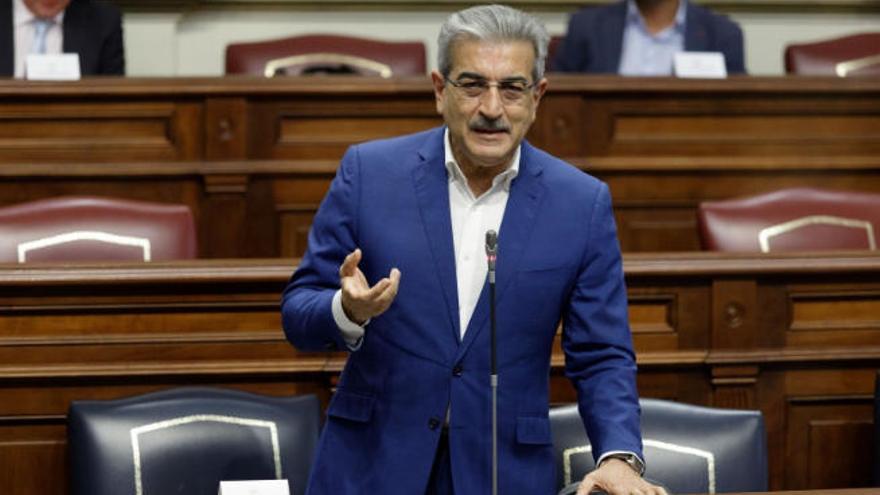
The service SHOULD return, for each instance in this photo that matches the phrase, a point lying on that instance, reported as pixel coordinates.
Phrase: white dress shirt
(23, 23)
(471, 217)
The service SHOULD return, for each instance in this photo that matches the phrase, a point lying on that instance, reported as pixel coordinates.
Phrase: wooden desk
(256, 155)
(796, 336)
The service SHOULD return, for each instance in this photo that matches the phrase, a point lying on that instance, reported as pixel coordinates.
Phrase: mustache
(481, 123)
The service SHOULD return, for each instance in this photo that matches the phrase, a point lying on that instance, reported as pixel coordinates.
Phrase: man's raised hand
(360, 301)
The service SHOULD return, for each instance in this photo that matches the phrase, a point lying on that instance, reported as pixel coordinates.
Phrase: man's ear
(540, 89)
(439, 83)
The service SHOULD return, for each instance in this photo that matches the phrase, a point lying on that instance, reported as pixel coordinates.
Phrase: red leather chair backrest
(799, 219)
(855, 55)
(82, 228)
(404, 58)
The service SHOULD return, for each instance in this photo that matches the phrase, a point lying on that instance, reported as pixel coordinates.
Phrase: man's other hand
(616, 477)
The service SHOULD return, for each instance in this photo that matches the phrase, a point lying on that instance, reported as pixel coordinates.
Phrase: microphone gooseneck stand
(491, 256)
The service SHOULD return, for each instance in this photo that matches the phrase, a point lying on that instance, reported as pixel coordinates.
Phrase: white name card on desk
(58, 67)
(254, 487)
(701, 65)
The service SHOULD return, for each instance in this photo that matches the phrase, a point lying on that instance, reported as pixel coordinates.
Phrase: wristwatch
(631, 460)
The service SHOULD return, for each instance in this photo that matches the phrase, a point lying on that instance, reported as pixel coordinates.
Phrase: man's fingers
(365, 294)
(587, 485)
(350, 263)
(387, 296)
(360, 301)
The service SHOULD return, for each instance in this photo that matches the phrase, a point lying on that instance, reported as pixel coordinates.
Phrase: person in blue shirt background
(641, 37)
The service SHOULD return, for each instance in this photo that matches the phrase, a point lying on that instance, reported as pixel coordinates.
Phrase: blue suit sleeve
(600, 360)
(306, 304)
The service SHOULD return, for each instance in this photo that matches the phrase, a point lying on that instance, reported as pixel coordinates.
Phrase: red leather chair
(330, 54)
(856, 55)
(82, 228)
(800, 219)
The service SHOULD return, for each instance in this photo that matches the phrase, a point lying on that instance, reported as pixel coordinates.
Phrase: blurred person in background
(90, 28)
(641, 38)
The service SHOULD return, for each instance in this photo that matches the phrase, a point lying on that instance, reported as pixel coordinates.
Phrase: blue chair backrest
(688, 448)
(187, 440)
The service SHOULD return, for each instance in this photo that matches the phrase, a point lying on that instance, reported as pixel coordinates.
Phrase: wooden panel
(33, 454)
(99, 132)
(744, 134)
(836, 439)
(818, 318)
(324, 128)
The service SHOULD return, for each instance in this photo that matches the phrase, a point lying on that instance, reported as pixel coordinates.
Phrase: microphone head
(491, 252)
(491, 242)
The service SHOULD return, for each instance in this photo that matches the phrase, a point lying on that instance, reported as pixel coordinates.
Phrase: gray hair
(492, 23)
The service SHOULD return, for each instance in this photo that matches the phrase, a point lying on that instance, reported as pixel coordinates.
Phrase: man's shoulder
(558, 173)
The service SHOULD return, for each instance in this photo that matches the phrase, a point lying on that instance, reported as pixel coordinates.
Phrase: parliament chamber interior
(149, 223)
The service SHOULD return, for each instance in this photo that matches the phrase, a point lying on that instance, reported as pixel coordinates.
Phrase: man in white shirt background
(90, 28)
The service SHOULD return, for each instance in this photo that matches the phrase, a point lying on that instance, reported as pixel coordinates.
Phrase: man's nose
(490, 103)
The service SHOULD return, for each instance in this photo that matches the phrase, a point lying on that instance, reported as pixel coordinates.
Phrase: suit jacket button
(458, 370)
(433, 423)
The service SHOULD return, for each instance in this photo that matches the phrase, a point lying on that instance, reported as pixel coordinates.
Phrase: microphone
(491, 257)
(491, 253)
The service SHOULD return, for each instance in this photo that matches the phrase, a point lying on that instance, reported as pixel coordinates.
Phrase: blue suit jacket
(594, 40)
(558, 259)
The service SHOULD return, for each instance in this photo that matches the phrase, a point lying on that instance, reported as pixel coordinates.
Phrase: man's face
(46, 8)
(485, 127)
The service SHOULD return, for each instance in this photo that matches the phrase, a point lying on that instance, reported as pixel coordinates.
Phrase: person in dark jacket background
(90, 28)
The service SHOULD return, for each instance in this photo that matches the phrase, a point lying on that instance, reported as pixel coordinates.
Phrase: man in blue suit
(640, 37)
(395, 272)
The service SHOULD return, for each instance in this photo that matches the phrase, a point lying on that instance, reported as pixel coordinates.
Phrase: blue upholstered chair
(688, 449)
(187, 440)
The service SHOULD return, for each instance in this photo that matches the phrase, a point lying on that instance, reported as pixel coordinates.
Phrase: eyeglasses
(511, 91)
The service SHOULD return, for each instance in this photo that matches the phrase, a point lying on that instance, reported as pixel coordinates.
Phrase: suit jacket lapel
(432, 190)
(526, 192)
(7, 45)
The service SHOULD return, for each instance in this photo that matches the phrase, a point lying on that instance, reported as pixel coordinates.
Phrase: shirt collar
(634, 16)
(456, 175)
(21, 15)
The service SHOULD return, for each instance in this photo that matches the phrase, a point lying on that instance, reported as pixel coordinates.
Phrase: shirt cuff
(352, 333)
